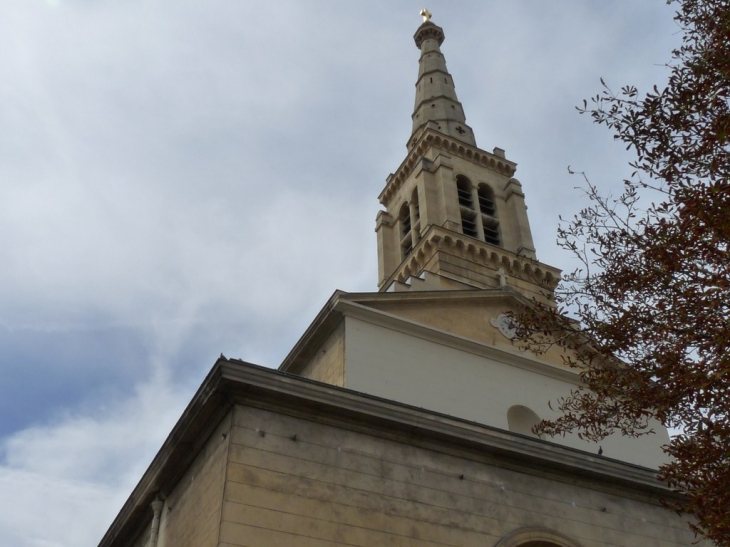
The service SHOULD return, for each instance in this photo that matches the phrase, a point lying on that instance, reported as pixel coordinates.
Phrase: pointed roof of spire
(437, 105)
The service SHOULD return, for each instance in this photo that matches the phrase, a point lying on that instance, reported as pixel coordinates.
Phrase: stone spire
(455, 217)
(436, 103)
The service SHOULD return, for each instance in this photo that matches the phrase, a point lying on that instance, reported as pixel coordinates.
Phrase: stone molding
(255, 385)
(233, 381)
(428, 30)
(432, 138)
(440, 239)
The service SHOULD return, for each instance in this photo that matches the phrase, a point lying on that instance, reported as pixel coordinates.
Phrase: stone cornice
(433, 99)
(207, 408)
(428, 30)
(432, 138)
(335, 405)
(233, 381)
(437, 239)
(317, 331)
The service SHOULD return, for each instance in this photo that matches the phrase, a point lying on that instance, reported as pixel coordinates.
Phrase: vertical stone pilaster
(415, 222)
(478, 211)
(451, 218)
(388, 247)
(521, 233)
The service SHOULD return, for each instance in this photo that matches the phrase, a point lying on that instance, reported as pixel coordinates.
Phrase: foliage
(651, 333)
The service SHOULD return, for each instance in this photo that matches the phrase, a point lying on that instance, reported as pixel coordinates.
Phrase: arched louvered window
(416, 210)
(488, 214)
(410, 224)
(406, 240)
(466, 207)
(463, 187)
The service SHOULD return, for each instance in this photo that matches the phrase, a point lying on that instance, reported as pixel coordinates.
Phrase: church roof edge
(232, 381)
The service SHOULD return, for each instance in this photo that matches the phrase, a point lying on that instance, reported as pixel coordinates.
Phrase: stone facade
(444, 351)
(403, 417)
(333, 486)
(191, 512)
(327, 364)
(300, 463)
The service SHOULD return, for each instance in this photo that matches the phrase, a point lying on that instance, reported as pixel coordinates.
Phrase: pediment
(478, 315)
(471, 315)
(468, 314)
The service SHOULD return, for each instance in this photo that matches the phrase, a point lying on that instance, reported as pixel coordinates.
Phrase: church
(404, 417)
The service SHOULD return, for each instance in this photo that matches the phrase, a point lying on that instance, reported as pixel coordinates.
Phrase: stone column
(387, 247)
(415, 218)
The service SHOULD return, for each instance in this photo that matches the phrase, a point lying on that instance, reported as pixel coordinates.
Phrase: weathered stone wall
(328, 364)
(192, 511)
(144, 536)
(330, 487)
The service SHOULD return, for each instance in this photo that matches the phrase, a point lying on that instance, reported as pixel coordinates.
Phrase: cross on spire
(426, 15)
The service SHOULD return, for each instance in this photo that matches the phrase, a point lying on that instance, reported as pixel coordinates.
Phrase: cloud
(179, 180)
(69, 478)
(47, 511)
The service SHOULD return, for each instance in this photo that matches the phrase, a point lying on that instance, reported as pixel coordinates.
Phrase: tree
(650, 331)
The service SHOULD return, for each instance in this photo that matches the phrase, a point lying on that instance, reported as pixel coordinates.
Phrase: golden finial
(426, 15)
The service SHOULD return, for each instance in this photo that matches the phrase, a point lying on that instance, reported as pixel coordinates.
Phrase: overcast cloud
(181, 179)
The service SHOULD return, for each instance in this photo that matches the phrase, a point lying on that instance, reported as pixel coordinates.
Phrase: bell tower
(454, 216)
(455, 259)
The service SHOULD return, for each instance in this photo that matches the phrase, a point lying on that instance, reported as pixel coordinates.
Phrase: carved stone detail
(431, 138)
(495, 258)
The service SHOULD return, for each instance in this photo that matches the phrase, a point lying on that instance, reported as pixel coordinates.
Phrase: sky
(183, 179)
